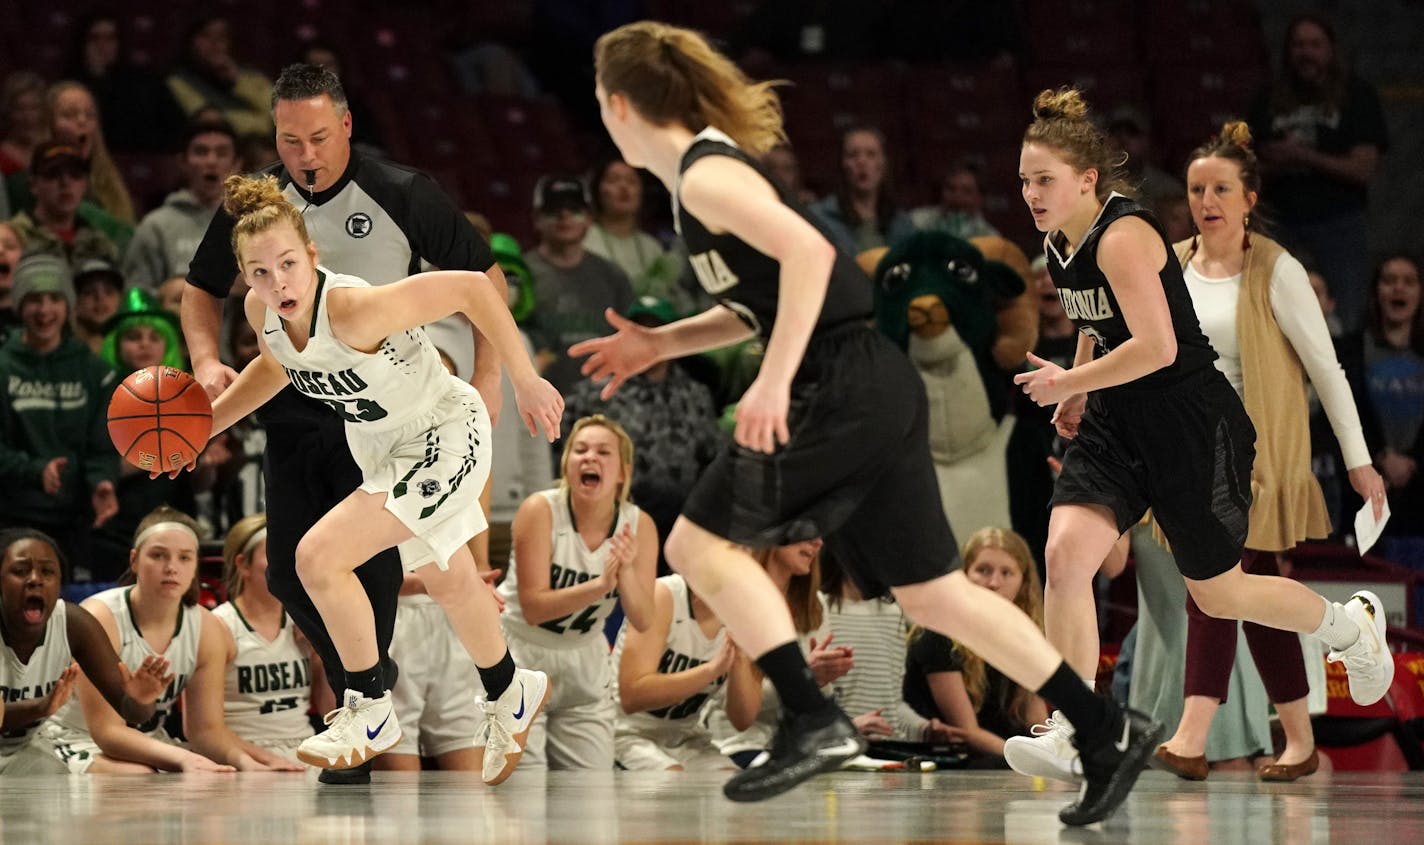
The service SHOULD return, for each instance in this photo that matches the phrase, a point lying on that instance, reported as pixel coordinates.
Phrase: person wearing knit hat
(142, 334)
(57, 465)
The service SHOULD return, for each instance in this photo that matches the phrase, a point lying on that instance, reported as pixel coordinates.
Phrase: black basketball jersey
(748, 281)
(1089, 301)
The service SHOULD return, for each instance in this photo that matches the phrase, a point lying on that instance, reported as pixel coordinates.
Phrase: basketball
(159, 419)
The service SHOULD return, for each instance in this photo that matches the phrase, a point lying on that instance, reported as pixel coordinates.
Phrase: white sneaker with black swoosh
(507, 722)
(356, 731)
(804, 745)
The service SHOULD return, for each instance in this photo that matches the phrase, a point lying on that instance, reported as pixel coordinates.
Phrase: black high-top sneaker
(1111, 767)
(805, 745)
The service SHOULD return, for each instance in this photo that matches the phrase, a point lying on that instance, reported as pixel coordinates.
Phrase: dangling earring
(1246, 233)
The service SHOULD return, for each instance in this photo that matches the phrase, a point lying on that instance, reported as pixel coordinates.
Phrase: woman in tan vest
(1255, 304)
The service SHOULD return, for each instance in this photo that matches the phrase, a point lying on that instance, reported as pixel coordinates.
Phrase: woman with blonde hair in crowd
(272, 674)
(74, 118)
(579, 549)
(947, 681)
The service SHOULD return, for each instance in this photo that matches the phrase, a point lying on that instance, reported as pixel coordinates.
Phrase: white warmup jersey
(419, 434)
(686, 648)
(571, 563)
(267, 688)
(182, 656)
(35, 679)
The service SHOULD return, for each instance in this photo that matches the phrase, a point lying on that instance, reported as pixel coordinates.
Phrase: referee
(376, 220)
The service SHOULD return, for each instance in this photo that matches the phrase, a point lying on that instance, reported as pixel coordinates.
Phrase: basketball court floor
(588, 807)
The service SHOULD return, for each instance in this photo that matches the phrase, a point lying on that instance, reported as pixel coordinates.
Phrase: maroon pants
(1211, 648)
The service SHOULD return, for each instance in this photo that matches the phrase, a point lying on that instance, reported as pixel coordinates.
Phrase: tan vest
(1287, 504)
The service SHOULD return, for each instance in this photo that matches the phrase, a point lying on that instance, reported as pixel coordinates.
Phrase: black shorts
(856, 472)
(1184, 451)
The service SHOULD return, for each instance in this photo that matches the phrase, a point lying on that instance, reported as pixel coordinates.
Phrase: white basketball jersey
(378, 391)
(686, 648)
(182, 656)
(572, 563)
(28, 681)
(267, 688)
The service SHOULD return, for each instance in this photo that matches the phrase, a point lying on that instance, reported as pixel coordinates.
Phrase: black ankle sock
(787, 669)
(498, 677)
(369, 682)
(1090, 713)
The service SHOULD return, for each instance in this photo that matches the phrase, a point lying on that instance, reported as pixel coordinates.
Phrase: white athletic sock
(1336, 629)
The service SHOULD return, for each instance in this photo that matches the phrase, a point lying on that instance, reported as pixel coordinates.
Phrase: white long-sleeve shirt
(1297, 312)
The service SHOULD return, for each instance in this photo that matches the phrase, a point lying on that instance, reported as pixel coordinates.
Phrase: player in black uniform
(374, 220)
(1153, 423)
(832, 436)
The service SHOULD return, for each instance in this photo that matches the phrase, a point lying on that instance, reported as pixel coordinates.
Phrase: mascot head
(931, 281)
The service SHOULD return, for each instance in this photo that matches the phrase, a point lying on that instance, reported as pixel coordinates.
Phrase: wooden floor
(959, 807)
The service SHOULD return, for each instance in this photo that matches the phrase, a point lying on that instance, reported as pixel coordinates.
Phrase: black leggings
(309, 471)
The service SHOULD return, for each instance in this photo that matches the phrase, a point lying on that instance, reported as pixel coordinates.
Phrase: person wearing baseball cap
(572, 286)
(57, 465)
(98, 286)
(59, 179)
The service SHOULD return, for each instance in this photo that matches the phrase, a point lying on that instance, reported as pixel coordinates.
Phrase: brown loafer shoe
(1277, 773)
(1186, 768)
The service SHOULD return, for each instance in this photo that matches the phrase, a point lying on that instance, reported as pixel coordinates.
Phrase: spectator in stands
(572, 286)
(366, 129)
(135, 107)
(796, 572)
(208, 74)
(946, 681)
(862, 211)
(97, 287)
(873, 630)
(1129, 127)
(616, 234)
(74, 119)
(22, 110)
(156, 612)
(55, 226)
(669, 415)
(11, 248)
(785, 167)
(271, 681)
(960, 211)
(1321, 131)
(56, 460)
(44, 637)
(1391, 357)
(1321, 287)
(141, 334)
(166, 239)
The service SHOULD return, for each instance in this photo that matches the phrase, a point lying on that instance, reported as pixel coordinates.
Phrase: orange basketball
(160, 419)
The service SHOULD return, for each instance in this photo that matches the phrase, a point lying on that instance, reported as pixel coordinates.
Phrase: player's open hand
(62, 690)
(540, 406)
(214, 376)
(149, 682)
(617, 357)
(761, 416)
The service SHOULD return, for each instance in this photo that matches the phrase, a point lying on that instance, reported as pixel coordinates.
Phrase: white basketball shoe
(507, 722)
(1368, 662)
(357, 731)
(1049, 753)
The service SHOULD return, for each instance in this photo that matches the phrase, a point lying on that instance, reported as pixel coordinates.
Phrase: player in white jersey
(666, 675)
(421, 439)
(42, 639)
(267, 689)
(158, 616)
(578, 549)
